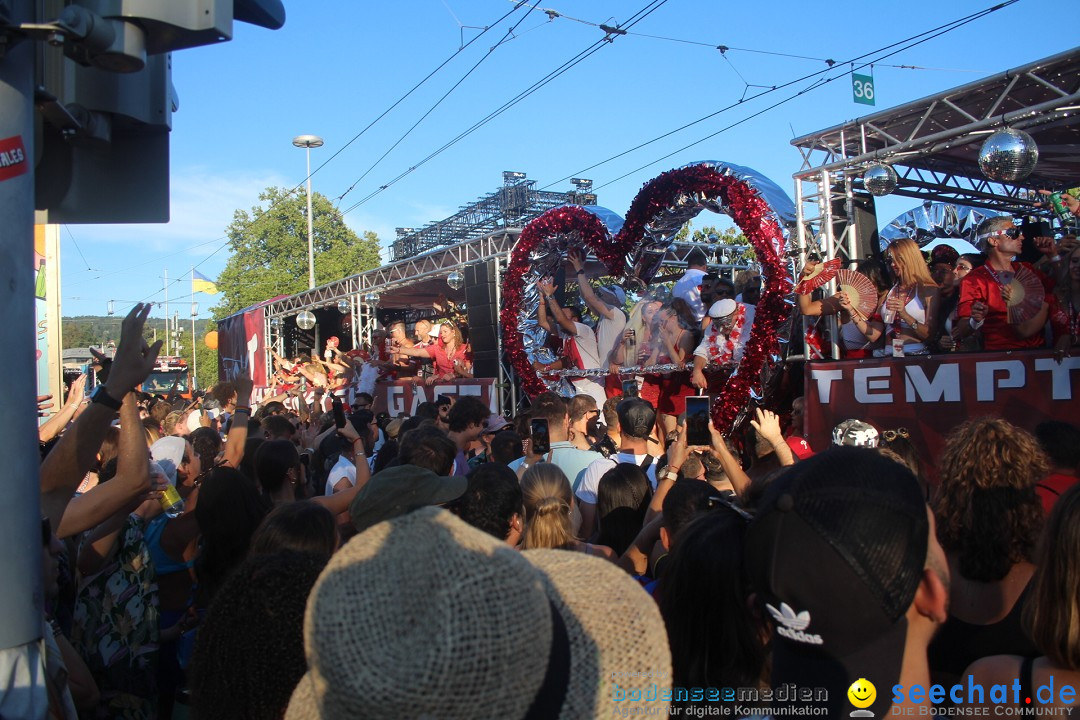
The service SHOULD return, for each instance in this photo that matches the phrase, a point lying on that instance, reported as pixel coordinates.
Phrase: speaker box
(864, 219)
(483, 315)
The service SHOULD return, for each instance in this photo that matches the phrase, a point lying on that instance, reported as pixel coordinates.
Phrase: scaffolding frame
(511, 206)
(933, 145)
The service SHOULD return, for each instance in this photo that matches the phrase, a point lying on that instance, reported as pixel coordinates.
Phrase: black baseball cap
(835, 554)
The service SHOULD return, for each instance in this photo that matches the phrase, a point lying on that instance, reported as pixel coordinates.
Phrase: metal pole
(20, 513)
(167, 312)
(310, 241)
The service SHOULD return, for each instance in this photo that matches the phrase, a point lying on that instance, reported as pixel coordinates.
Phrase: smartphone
(339, 411)
(541, 439)
(697, 420)
(91, 379)
(630, 388)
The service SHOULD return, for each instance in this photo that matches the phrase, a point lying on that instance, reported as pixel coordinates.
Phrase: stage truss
(512, 206)
(933, 146)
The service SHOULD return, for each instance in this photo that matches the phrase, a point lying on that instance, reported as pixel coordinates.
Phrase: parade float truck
(169, 372)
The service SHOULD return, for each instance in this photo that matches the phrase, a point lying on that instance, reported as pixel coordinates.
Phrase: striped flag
(203, 284)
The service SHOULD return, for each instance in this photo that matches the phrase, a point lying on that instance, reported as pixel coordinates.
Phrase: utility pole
(20, 514)
(167, 353)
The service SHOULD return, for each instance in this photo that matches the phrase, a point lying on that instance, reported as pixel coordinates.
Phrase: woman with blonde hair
(989, 517)
(451, 355)
(1052, 616)
(549, 503)
(910, 307)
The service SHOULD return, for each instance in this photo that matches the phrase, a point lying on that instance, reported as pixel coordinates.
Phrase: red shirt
(997, 332)
(444, 365)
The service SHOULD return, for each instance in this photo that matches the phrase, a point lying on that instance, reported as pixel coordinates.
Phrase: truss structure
(933, 145)
(511, 206)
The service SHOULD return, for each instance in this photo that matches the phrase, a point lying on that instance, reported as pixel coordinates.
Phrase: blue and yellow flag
(203, 284)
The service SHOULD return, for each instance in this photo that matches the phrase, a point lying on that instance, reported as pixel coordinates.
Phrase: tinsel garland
(749, 211)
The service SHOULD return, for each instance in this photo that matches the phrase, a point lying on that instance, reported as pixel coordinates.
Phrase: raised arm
(767, 425)
(238, 431)
(63, 469)
(740, 481)
(550, 304)
(131, 482)
(601, 309)
(54, 425)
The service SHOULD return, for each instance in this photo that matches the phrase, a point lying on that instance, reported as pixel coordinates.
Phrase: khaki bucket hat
(424, 616)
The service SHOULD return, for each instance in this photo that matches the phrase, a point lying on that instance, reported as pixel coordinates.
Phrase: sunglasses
(891, 435)
(46, 532)
(1013, 232)
(721, 501)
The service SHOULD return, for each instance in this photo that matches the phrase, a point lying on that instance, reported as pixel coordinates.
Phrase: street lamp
(308, 142)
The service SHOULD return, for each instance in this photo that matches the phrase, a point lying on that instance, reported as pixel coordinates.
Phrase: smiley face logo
(862, 694)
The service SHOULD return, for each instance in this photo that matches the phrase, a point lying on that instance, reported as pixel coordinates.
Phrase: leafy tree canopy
(269, 249)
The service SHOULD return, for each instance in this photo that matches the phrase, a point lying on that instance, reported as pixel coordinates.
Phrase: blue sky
(338, 64)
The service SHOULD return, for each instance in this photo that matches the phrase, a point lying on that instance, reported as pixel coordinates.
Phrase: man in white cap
(725, 338)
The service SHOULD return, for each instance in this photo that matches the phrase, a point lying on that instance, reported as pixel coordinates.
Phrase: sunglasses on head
(891, 435)
(722, 501)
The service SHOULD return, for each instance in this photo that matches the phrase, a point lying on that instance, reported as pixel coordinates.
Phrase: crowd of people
(581, 558)
(437, 350)
(980, 301)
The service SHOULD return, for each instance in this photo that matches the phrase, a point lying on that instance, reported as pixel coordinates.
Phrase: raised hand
(134, 359)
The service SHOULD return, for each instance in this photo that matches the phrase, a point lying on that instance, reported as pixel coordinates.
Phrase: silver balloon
(879, 179)
(1008, 155)
(455, 280)
(343, 306)
(371, 299)
(305, 320)
(935, 221)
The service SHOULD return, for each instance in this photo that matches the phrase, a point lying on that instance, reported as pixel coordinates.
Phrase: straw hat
(424, 616)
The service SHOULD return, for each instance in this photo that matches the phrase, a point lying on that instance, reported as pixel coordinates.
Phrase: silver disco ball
(1008, 155)
(343, 306)
(305, 320)
(879, 180)
(371, 299)
(275, 322)
(455, 280)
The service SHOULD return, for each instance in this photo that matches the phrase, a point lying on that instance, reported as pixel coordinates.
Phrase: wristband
(242, 409)
(102, 397)
(975, 325)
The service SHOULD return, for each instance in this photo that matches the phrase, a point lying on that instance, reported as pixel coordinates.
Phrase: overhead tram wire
(947, 27)
(930, 35)
(506, 38)
(334, 155)
(581, 56)
(415, 87)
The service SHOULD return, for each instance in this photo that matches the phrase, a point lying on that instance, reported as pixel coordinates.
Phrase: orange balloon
(211, 339)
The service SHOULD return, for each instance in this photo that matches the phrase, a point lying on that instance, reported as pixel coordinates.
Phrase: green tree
(269, 249)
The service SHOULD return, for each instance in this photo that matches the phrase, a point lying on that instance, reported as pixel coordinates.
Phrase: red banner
(12, 158)
(930, 395)
(401, 397)
(242, 346)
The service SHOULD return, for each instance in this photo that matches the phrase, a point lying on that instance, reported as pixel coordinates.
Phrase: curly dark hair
(988, 513)
(249, 653)
(491, 499)
(207, 444)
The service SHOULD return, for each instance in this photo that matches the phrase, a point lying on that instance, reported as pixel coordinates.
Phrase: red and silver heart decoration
(634, 252)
